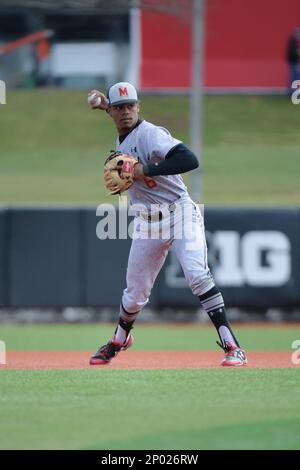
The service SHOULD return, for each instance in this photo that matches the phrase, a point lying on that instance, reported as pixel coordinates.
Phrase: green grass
(101, 408)
(53, 147)
(183, 409)
(147, 337)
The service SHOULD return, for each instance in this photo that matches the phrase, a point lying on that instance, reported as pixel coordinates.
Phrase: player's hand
(97, 100)
(138, 173)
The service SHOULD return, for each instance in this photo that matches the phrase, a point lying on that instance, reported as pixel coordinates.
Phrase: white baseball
(94, 100)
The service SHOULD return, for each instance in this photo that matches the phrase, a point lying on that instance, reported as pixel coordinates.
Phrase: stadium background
(54, 269)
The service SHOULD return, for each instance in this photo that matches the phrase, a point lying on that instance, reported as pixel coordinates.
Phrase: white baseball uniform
(165, 217)
(168, 194)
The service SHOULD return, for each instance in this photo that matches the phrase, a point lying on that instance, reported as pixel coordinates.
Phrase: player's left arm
(179, 159)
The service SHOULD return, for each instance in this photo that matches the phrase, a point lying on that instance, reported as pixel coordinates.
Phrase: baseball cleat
(234, 356)
(110, 350)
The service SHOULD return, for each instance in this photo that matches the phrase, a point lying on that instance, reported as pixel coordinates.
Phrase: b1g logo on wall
(257, 259)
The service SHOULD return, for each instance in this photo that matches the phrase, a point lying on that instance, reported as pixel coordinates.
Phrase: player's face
(125, 116)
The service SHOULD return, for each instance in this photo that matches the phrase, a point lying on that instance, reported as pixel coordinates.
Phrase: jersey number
(150, 183)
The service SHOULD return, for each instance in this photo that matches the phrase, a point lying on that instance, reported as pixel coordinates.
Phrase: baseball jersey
(150, 144)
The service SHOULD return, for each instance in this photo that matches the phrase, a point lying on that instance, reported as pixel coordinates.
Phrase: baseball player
(159, 159)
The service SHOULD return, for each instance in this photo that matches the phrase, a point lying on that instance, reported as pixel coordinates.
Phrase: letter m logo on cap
(123, 91)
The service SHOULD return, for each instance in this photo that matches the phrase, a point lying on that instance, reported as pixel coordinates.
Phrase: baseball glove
(118, 172)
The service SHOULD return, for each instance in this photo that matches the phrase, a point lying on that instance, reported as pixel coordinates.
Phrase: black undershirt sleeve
(178, 160)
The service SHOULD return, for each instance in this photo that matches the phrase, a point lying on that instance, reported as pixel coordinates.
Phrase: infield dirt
(44, 360)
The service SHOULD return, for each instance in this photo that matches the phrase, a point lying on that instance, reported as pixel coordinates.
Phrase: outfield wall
(244, 46)
(52, 258)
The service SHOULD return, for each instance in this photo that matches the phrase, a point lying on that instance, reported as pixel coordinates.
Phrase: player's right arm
(97, 100)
